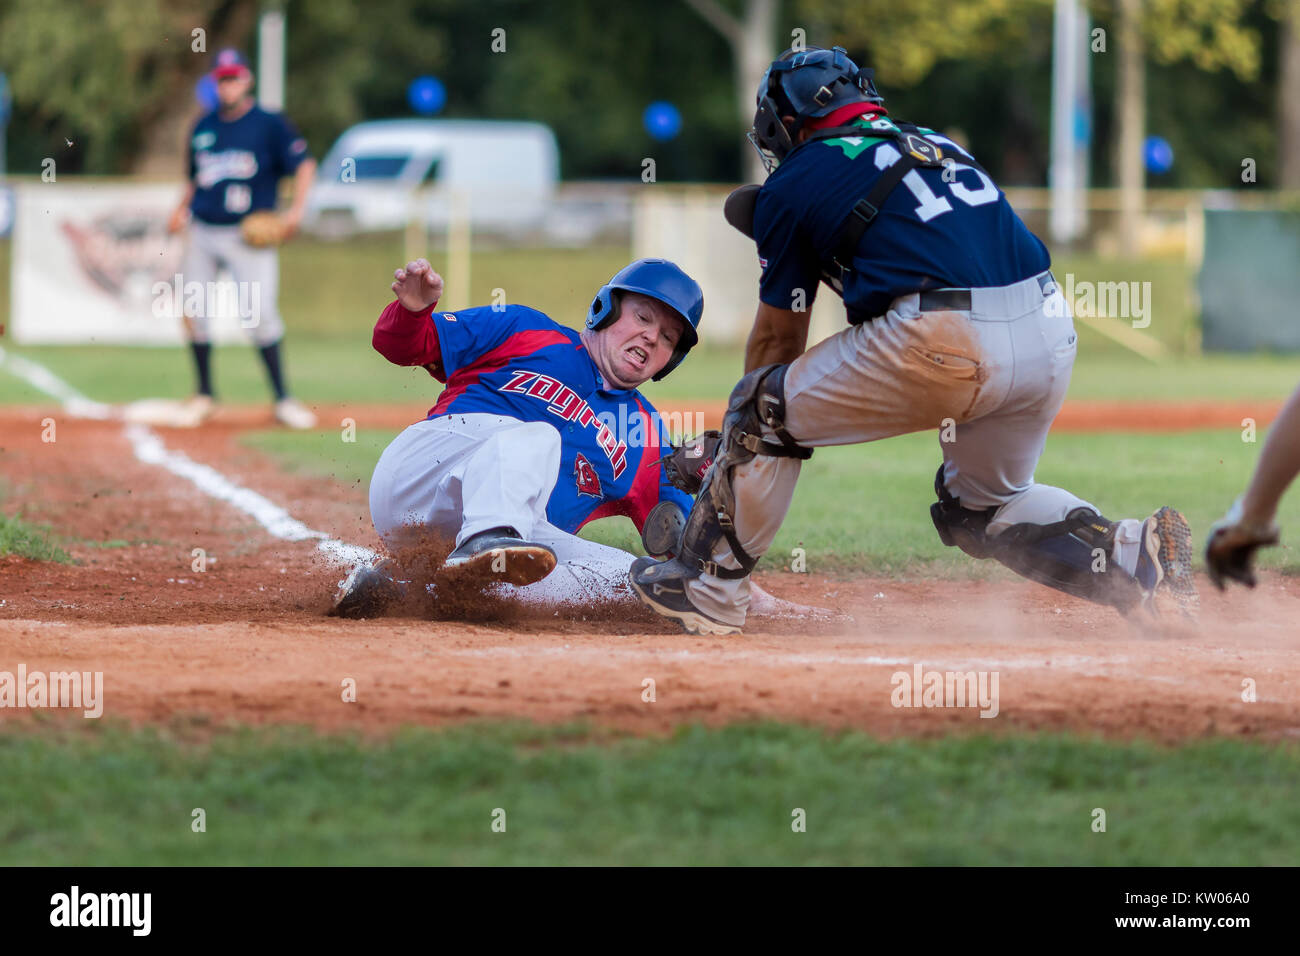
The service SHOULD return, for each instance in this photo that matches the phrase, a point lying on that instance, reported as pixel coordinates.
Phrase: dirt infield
(246, 639)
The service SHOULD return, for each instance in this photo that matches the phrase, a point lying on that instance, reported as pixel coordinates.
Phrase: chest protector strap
(917, 151)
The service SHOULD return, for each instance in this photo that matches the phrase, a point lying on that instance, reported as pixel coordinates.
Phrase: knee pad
(958, 527)
(757, 401)
(1072, 555)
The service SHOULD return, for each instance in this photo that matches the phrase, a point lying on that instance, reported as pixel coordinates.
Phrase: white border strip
(149, 448)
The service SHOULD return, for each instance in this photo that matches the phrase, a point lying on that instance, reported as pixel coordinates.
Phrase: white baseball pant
(992, 379)
(461, 474)
(256, 273)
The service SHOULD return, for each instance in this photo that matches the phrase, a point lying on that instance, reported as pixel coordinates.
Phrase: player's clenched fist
(417, 286)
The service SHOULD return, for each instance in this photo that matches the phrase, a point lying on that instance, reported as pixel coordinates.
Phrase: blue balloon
(427, 95)
(205, 91)
(662, 120)
(1159, 155)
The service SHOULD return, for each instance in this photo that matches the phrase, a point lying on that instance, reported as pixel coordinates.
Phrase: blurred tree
(101, 75)
(1211, 34)
(591, 75)
(117, 77)
(353, 61)
(1287, 12)
(905, 41)
(751, 35)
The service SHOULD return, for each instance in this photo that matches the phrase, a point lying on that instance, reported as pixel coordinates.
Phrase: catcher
(238, 153)
(1231, 544)
(955, 324)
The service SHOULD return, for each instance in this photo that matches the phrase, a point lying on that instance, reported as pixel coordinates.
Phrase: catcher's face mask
(804, 84)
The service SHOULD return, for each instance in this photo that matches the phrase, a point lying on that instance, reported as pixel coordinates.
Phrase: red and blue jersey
(236, 164)
(939, 228)
(517, 362)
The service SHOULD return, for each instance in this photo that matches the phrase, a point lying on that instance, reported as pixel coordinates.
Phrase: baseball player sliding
(539, 430)
(238, 153)
(955, 324)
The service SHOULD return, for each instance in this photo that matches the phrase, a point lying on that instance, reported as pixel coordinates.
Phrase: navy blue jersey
(236, 165)
(515, 361)
(929, 234)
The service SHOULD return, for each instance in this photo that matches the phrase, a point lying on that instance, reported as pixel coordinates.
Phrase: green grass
(348, 370)
(866, 508)
(331, 294)
(25, 540)
(117, 797)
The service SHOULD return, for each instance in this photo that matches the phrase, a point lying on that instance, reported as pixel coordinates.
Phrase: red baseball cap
(230, 63)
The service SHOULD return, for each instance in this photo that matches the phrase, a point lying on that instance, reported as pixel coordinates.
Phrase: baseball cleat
(500, 554)
(1166, 560)
(367, 591)
(293, 414)
(661, 586)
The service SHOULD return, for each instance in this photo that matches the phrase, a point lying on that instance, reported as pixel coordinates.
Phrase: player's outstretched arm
(779, 336)
(404, 334)
(1231, 544)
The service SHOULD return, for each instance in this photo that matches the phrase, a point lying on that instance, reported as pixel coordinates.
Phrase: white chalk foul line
(149, 448)
(43, 380)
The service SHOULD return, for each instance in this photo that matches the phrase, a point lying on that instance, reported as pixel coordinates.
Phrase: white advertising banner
(92, 263)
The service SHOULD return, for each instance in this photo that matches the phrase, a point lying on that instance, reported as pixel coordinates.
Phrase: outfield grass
(347, 370)
(866, 508)
(331, 294)
(117, 797)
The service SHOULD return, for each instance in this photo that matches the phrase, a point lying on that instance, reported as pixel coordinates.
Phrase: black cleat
(367, 591)
(661, 586)
(499, 554)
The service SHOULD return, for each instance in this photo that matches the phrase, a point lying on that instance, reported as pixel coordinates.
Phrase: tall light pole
(1071, 122)
(270, 57)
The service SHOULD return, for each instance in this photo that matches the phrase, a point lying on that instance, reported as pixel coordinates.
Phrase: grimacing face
(638, 344)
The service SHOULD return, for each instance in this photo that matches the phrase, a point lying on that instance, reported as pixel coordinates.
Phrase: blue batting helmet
(662, 280)
(805, 84)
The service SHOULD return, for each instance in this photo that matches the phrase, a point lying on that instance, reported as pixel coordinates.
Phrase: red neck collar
(844, 114)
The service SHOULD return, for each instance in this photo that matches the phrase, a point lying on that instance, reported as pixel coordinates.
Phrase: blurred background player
(1232, 542)
(539, 430)
(238, 154)
(955, 324)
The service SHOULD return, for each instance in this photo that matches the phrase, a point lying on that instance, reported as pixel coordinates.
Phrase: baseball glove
(1231, 545)
(263, 228)
(686, 464)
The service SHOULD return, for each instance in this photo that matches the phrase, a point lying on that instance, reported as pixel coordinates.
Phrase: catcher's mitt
(263, 228)
(686, 464)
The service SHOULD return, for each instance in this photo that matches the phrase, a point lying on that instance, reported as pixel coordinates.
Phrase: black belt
(958, 300)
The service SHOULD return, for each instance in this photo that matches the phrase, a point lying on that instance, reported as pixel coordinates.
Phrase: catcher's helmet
(805, 84)
(662, 280)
